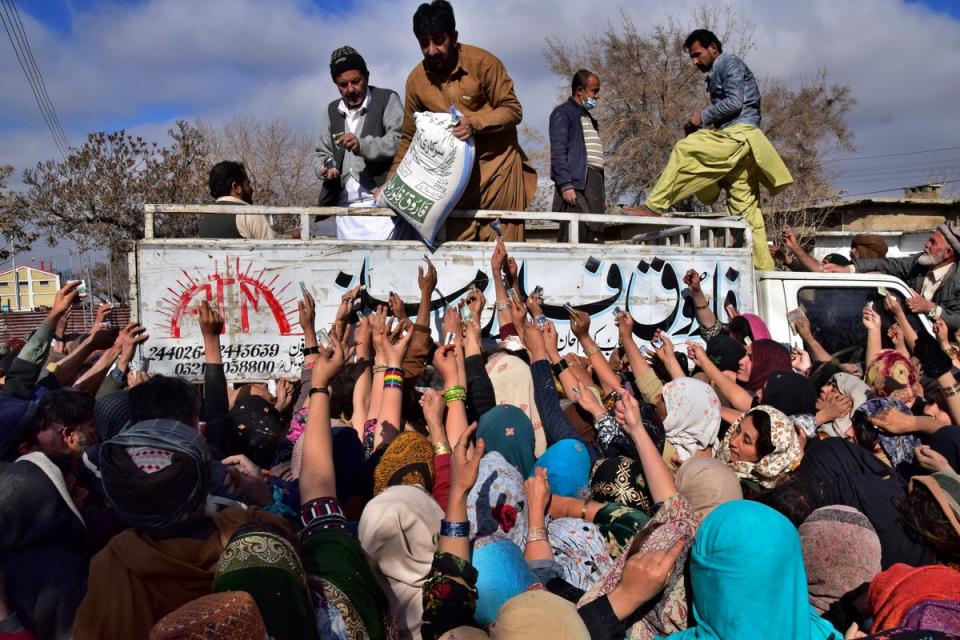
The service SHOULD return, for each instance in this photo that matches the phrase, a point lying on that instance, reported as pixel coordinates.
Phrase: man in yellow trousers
(734, 155)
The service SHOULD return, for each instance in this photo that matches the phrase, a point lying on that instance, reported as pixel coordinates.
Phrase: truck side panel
(259, 288)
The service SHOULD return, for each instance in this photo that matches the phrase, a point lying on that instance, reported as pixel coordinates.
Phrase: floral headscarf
(787, 452)
(497, 502)
(898, 448)
(580, 549)
(890, 372)
(693, 415)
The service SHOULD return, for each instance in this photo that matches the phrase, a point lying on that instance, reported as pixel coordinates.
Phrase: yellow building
(37, 288)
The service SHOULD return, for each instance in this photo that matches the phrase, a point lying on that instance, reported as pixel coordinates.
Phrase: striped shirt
(592, 141)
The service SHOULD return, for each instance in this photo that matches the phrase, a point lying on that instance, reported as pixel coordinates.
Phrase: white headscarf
(399, 530)
(693, 416)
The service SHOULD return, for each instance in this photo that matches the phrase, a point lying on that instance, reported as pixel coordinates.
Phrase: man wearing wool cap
(359, 135)
(931, 274)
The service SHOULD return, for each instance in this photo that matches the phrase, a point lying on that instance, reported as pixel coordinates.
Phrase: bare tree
(650, 88)
(278, 159)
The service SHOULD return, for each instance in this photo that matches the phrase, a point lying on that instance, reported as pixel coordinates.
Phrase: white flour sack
(432, 175)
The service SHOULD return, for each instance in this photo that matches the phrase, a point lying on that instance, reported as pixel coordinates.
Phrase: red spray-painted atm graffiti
(254, 295)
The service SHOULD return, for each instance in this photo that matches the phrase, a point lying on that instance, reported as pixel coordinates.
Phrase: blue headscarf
(568, 468)
(748, 579)
(508, 431)
(502, 573)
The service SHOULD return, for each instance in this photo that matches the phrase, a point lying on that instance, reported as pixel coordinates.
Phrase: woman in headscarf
(895, 450)
(762, 358)
(890, 373)
(748, 327)
(903, 592)
(218, 616)
(507, 430)
(156, 477)
(497, 502)
(707, 483)
(790, 393)
(341, 578)
(513, 385)
(841, 552)
(762, 447)
(834, 416)
(746, 587)
(407, 460)
(693, 416)
(261, 561)
(932, 510)
(399, 530)
(834, 471)
(568, 467)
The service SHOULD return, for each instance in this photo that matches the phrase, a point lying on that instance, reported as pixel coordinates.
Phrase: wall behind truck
(259, 290)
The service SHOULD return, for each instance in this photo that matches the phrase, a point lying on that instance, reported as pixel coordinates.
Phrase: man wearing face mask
(576, 154)
(359, 135)
(724, 148)
(477, 84)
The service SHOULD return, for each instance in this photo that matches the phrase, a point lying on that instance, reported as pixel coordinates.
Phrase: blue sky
(142, 65)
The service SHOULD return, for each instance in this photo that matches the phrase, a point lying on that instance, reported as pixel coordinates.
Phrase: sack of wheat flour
(431, 177)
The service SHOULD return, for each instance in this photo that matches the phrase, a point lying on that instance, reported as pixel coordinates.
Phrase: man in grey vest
(359, 135)
(230, 185)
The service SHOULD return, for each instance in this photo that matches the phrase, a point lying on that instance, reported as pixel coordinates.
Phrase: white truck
(258, 283)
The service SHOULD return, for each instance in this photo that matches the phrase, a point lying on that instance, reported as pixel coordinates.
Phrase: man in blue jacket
(576, 153)
(724, 149)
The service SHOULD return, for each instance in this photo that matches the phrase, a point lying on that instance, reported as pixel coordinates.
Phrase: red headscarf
(766, 357)
(895, 591)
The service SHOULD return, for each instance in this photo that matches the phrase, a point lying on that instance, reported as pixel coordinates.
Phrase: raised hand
(211, 320)
(579, 323)
(692, 279)
(427, 281)
(64, 298)
(306, 309)
(644, 576)
(537, 490)
(465, 463)
(396, 305)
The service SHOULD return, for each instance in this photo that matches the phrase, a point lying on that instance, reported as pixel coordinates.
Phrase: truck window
(835, 315)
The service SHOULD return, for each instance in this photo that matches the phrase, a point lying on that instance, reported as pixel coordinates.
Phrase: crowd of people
(484, 485)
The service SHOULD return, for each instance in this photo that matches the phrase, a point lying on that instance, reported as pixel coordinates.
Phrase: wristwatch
(934, 313)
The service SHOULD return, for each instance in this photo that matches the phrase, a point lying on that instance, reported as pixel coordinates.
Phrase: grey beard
(929, 259)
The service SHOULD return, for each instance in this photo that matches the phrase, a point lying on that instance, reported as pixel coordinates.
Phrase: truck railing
(689, 232)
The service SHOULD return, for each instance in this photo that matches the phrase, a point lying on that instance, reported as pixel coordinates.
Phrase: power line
(867, 193)
(892, 155)
(33, 62)
(39, 93)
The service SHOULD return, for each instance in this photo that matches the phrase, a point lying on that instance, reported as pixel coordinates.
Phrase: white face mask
(589, 103)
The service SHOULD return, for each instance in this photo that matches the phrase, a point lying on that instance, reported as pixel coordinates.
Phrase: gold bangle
(441, 448)
(583, 512)
(379, 368)
(951, 352)
(591, 351)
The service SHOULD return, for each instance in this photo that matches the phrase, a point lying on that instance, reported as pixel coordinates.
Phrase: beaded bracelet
(454, 529)
(441, 448)
(454, 393)
(535, 534)
(951, 390)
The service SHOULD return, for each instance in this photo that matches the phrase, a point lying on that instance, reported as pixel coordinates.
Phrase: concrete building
(905, 223)
(26, 288)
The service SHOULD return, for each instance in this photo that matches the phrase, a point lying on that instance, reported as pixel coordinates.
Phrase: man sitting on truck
(359, 135)
(477, 84)
(932, 275)
(733, 155)
(229, 184)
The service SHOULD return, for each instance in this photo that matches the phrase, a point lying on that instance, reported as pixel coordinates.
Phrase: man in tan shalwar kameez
(477, 84)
